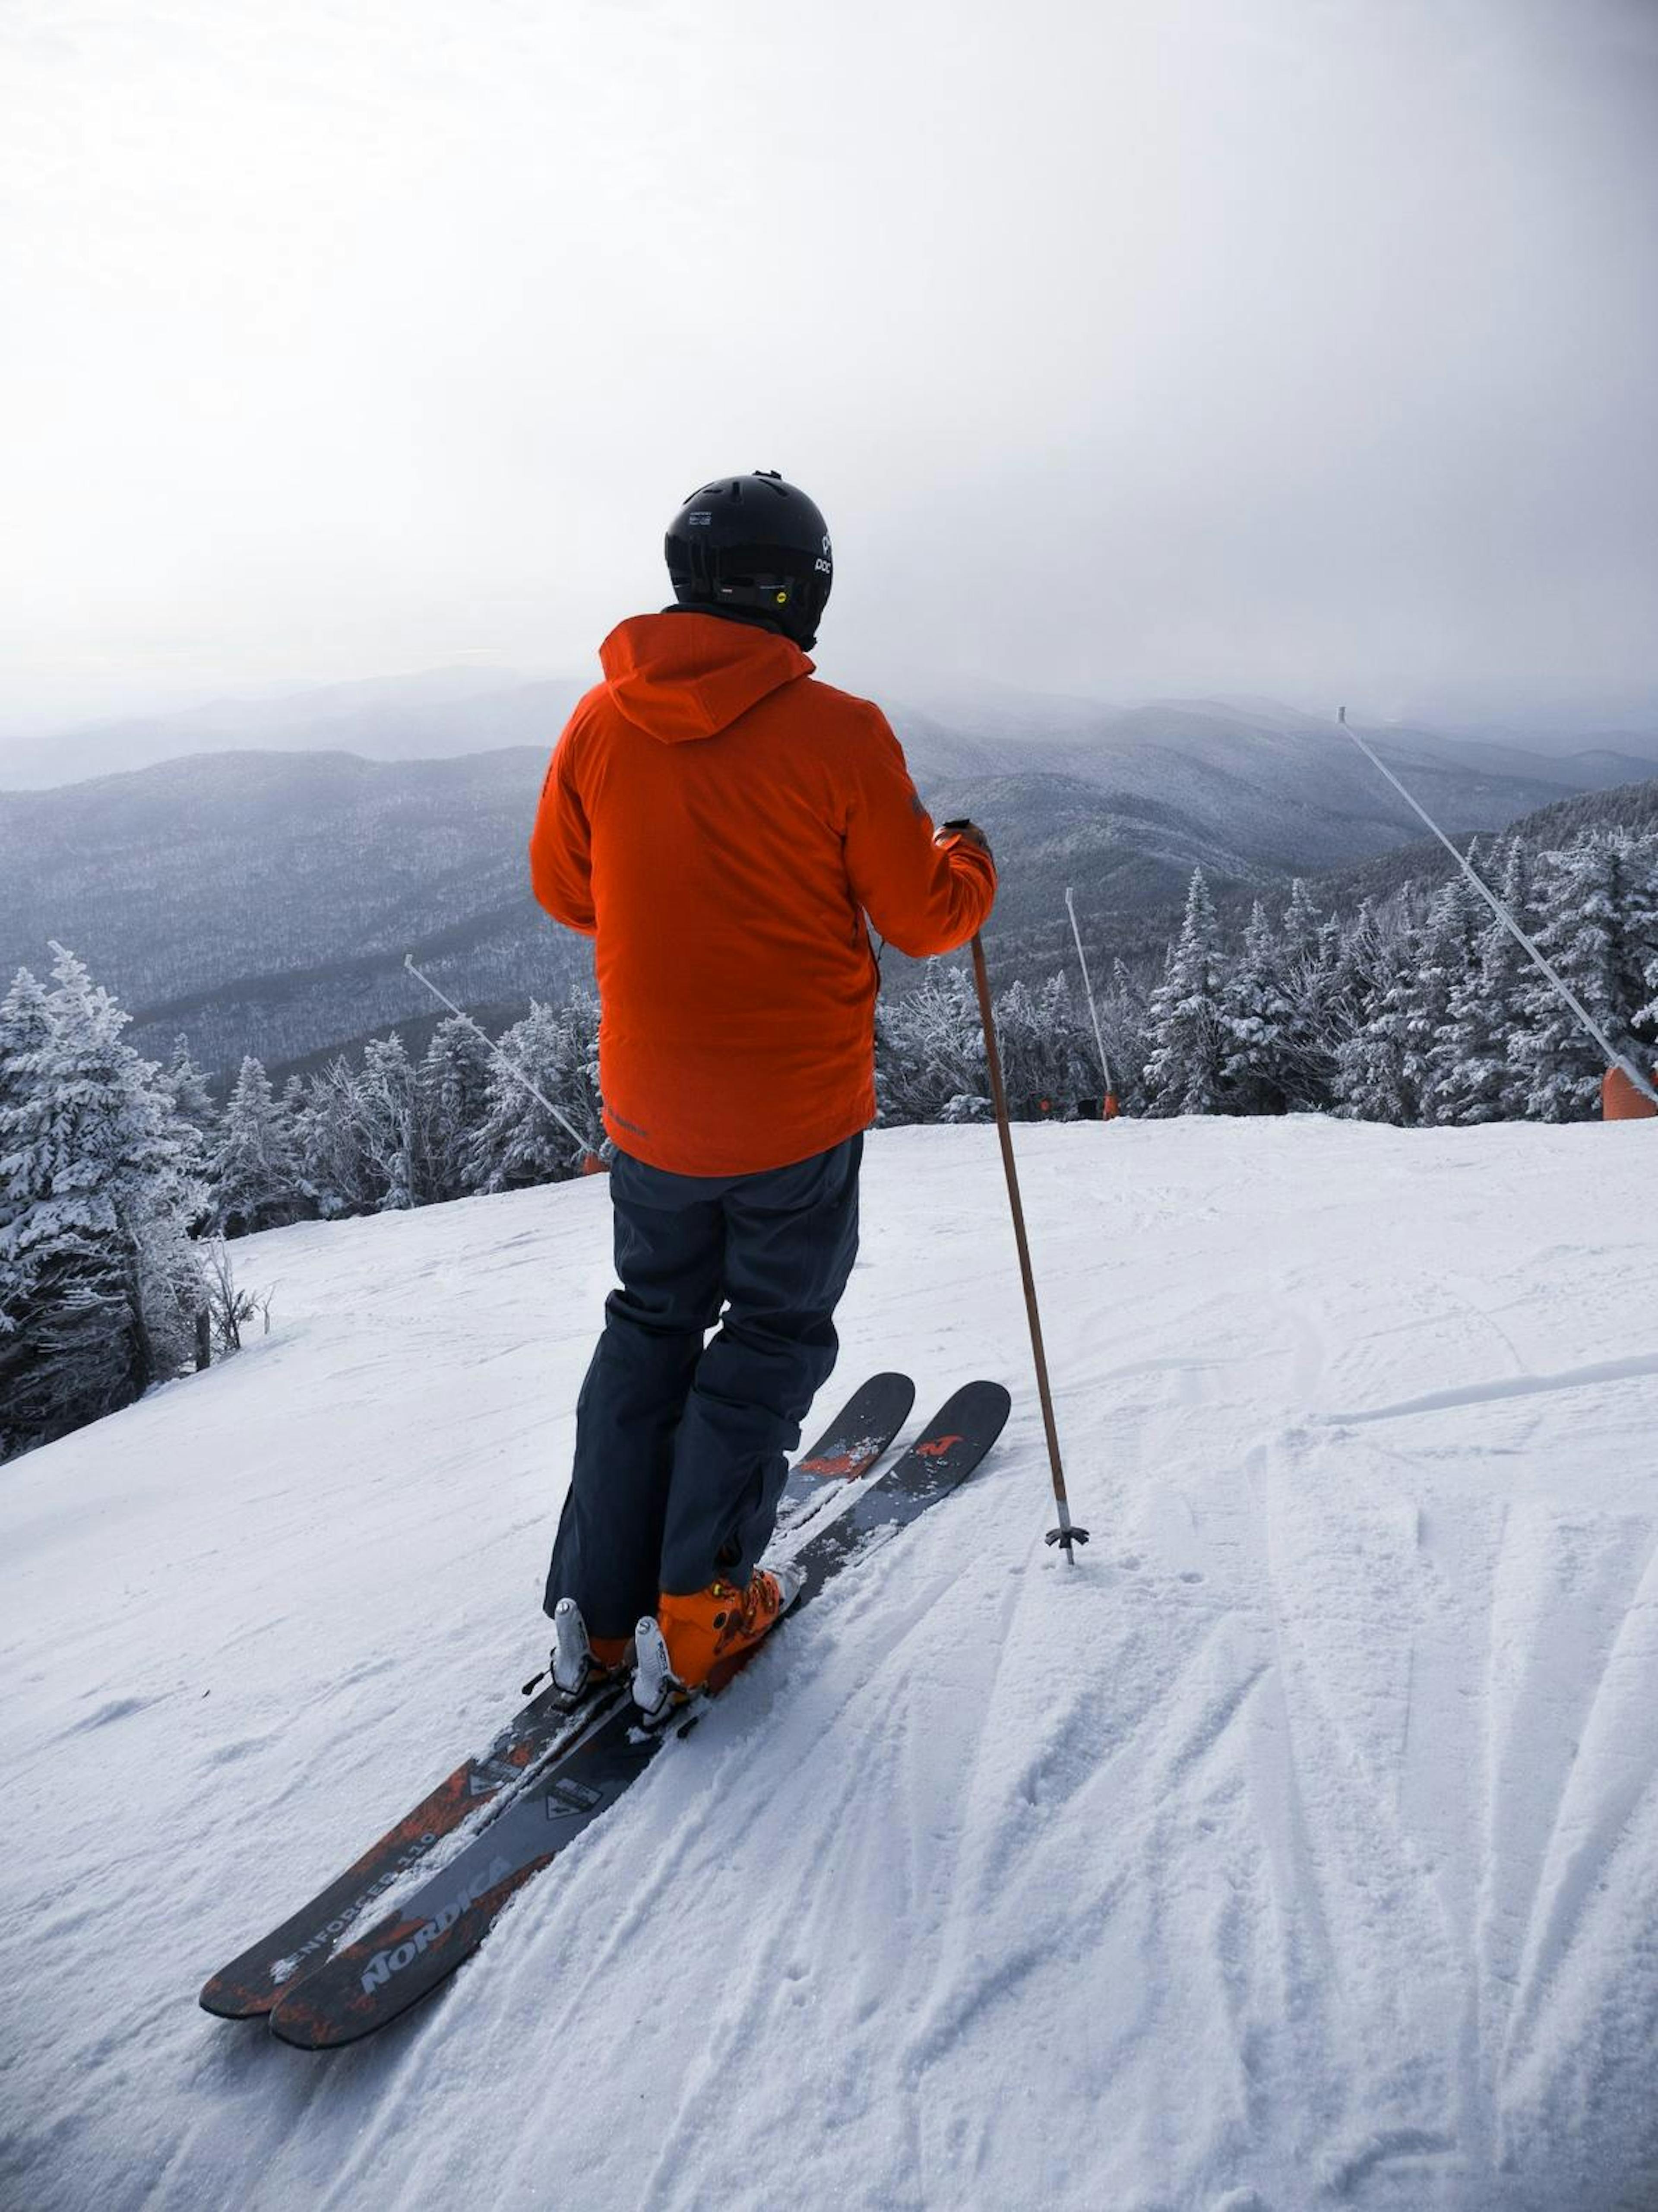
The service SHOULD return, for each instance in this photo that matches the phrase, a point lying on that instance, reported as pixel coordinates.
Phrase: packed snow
(1298, 1846)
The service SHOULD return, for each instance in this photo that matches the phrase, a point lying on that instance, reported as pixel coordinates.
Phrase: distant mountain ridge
(262, 901)
(438, 714)
(1253, 800)
(443, 712)
(1631, 806)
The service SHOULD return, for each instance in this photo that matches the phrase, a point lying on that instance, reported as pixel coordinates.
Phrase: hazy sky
(1301, 347)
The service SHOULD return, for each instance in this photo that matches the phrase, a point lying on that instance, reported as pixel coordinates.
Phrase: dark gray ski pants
(683, 1441)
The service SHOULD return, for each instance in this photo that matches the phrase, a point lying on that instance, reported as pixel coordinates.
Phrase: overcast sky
(1299, 346)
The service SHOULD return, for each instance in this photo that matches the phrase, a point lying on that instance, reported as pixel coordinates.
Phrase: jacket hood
(682, 676)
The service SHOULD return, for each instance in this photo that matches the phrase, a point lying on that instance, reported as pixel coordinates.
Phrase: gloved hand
(969, 832)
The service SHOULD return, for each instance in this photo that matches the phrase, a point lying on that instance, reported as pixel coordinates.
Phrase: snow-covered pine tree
(186, 1085)
(1645, 1023)
(1447, 946)
(1318, 982)
(256, 1163)
(1641, 951)
(1256, 1020)
(1598, 903)
(100, 1282)
(1476, 1076)
(930, 1055)
(1182, 1070)
(1123, 1013)
(384, 1096)
(354, 1133)
(1073, 1067)
(1352, 956)
(519, 1142)
(452, 1099)
(1376, 982)
(1302, 929)
(25, 1026)
(1312, 981)
(336, 1171)
(295, 1105)
(1048, 1057)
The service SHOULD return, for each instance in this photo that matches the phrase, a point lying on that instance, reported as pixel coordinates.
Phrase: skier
(720, 823)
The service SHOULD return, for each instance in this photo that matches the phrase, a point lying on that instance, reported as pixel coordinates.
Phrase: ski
(251, 1983)
(377, 1976)
(858, 1436)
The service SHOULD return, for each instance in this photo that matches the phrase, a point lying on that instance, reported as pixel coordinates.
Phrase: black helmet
(758, 546)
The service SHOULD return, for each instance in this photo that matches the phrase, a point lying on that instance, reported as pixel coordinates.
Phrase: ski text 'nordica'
(383, 1963)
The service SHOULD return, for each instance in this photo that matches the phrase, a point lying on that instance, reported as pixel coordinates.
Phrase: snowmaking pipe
(1066, 1534)
(1540, 959)
(1088, 987)
(511, 1068)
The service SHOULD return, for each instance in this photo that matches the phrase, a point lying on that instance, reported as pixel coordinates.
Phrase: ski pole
(511, 1067)
(1066, 1534)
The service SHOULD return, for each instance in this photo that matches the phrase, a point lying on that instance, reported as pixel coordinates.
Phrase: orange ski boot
(696, 1642)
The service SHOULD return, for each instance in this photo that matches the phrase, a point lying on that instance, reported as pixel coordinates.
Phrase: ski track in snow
(1299, 1848)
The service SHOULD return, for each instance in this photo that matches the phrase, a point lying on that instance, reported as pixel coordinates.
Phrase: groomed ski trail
(1299, 1847)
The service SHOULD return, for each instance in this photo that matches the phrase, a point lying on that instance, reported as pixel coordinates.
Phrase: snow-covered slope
(1301, 1846)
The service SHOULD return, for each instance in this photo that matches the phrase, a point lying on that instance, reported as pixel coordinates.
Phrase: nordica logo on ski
(851, 1459)
(383, 1963)
(324, 1938)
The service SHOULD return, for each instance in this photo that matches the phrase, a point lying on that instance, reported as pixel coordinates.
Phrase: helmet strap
(752, 618)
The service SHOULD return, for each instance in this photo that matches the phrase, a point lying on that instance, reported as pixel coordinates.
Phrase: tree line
(1420, 1010)
(120, 1177)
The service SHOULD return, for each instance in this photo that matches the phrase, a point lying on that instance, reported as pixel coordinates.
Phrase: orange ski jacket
(722, 822)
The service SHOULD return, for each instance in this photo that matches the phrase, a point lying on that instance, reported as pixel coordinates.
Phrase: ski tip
(993, 1401)
(226, 2002)
(300, 2032)
(887, 1397)
(962, 1431)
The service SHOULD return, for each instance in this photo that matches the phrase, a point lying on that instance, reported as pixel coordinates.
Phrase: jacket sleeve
(561, 845)
(924, 898)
